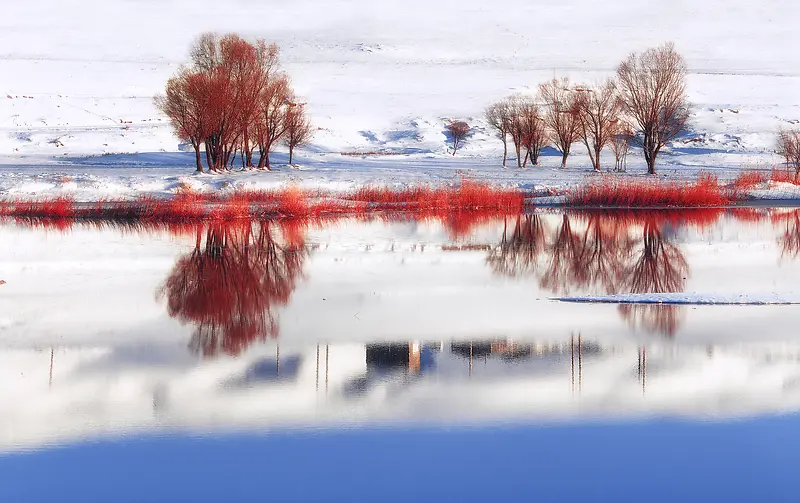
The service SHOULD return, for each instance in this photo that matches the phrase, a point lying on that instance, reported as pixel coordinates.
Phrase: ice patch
(685, 298)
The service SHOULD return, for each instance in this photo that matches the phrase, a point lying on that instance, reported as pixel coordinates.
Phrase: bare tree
(653, 88)
(299, 130)
(560, 115)
(533, 133)
(526, 128)
(458, 132)
(515, 104)
(185, 103)
(621, 144)
(498, 117)
(598, 111)
(270, 125)
(789, 149)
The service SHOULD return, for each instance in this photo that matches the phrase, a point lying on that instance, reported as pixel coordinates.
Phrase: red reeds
(749, 179)
(784, 176)
(468, 195)
(614, 192)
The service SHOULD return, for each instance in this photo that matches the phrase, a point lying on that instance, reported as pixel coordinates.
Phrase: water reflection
(235, 276)
(231, 282)
(789, 240)
(484, 380)
(601, 253)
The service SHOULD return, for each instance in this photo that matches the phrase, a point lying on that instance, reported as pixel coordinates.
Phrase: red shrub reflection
(230, 284)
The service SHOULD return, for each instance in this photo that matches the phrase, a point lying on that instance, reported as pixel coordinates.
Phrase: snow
(684, 298)
(77, 102)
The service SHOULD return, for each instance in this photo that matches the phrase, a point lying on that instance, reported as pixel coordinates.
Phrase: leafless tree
(526, 128)
(498, 115)
(270, 126)
(789, 149)
(653, 88)
(560, 115)
(621, 144)
(458, 132)
(533, 131)
(299, 130)
(598, 111)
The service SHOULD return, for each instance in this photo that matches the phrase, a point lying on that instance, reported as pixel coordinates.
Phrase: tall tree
(299, 130)
(499, 118)
(598, 111)
(560, 115)
(653, 88)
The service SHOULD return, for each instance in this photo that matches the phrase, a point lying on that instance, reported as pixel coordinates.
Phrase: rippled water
(118, 341)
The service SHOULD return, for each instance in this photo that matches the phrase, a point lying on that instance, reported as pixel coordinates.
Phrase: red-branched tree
(299, 130)
(230, 98)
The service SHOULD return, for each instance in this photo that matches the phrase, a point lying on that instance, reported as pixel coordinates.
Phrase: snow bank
(686, 298)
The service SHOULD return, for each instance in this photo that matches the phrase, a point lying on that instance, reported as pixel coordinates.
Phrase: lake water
(396, 357)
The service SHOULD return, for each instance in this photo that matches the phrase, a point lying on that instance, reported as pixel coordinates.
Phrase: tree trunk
(197, 160)
(208, 157)
(455, 146)
(505, 151)
(291, 151)
(261, 157)
(564, 156)
(597, 160)
(525, 161)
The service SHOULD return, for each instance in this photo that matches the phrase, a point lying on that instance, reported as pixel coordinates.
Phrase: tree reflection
(229, 285)
(603, 253)
(789, 240)
(664, 319)
(660, 266)
(518, 252)
(564, 250)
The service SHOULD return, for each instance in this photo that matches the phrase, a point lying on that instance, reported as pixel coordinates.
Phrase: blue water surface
(652, 461)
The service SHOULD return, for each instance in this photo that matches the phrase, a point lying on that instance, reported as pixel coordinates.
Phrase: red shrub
(749, 179)
(611, 191)
(784, 176)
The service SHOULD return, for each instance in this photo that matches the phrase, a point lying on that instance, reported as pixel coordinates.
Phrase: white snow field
(77, 82)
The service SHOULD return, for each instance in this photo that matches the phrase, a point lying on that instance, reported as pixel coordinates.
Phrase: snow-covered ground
(76, 112)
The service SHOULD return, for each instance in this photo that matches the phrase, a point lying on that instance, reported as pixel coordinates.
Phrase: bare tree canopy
(789, 149)
(299, 130)
(598, 110)
(230, 98)
(653, 88)
(498, 115)
(458, 132)
(560, 115)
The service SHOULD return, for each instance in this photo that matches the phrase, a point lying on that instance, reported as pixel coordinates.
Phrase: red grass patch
(614, 192)
(466, 196)
(784, 176)
(749, 179)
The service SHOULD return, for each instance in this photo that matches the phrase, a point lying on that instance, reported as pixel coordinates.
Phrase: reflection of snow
(329, 385)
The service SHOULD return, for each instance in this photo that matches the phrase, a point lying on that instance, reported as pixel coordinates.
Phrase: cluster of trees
(233, 98)
(645, 100)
